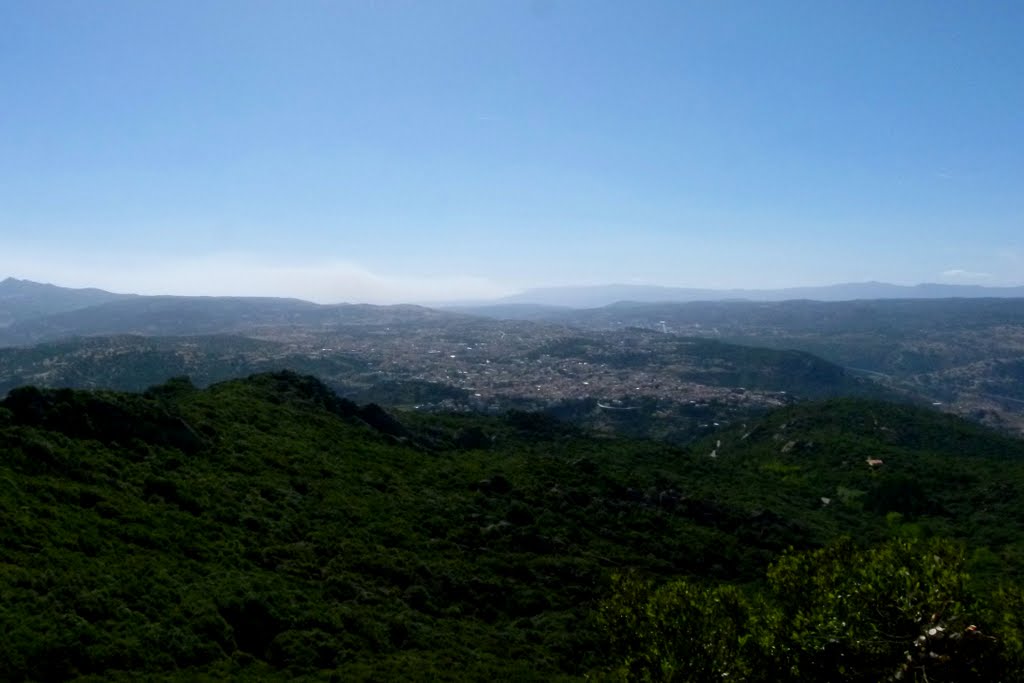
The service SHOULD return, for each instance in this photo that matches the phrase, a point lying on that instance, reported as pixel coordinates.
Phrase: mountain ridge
(593, 296)
(49, 298)
(26, 299)
(188, 315)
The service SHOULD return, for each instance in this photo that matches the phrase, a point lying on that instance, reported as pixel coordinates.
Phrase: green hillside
(267, 529)
(133, 363)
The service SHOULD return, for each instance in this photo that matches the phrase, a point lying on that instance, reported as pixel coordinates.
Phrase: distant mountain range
(602, 295)
(31, 313)
(24, 299)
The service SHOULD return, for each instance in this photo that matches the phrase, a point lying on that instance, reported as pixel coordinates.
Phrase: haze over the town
(401, 151)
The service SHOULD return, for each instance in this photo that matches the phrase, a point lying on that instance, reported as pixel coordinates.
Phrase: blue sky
(387, 151)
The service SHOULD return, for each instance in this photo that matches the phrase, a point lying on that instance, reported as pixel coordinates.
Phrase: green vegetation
(268, 529)
(900, 611)
(132, 363)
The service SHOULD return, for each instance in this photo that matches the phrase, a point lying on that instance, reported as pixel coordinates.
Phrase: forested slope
(267, 528)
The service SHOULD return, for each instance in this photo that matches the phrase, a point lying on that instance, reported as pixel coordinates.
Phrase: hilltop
(24, 299)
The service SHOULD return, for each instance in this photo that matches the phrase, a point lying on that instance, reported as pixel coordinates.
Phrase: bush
(900, 611)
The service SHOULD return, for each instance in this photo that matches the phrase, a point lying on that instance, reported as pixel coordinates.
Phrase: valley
(683, 365)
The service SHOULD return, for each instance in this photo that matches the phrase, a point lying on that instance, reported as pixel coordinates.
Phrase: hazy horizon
(453, 151)
(545, 293)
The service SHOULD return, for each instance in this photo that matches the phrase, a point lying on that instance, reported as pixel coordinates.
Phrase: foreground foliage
(900, 611)
(268, 529)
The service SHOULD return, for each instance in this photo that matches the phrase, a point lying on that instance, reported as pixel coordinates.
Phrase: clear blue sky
(382, 151)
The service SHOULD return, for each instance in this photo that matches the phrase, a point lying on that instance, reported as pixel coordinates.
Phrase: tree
(900, 611)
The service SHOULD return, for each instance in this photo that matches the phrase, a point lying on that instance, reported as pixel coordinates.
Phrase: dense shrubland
(266, 528)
